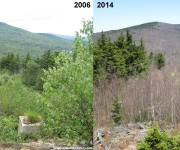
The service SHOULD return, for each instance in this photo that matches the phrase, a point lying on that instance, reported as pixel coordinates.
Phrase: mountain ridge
(20, 41)
(158, 37)
(69, 37)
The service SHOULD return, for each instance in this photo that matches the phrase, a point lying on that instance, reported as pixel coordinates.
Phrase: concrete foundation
(27, 128)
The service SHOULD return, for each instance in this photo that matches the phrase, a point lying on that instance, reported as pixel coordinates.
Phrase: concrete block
(26, 127)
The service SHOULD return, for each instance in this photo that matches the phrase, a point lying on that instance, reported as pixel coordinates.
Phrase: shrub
(8, 128)
(16, 98)
(157, 140)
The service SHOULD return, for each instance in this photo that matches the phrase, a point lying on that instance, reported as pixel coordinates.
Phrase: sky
(126, 13)
(45, 16)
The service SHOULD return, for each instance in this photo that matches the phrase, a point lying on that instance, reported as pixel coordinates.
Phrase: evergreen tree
(30, 73)
(26, 60)
(10, 62)
(129, 39)
(159, 60)
(100, 58)
(120, 42)
(122, 57)
(47, 60)
(116, 114)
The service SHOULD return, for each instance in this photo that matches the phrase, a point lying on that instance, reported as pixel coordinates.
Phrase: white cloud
(53, 16)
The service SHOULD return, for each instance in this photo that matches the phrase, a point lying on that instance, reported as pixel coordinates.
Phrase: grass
(33, 117)
(16, 100)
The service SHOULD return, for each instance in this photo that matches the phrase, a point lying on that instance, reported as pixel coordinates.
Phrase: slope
(21, 42)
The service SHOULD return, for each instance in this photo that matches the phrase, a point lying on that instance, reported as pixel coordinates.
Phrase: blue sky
(127, 13)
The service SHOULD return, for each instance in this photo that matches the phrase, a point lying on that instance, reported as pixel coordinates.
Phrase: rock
(131, 147)
(136, 126)
(120, 129)
(140, 126)
(102, 131)
(122, 137)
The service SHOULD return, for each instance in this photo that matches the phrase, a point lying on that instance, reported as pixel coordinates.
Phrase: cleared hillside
(157, 36)
(21, 42)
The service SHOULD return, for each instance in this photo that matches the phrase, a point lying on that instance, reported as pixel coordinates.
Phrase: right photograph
(136, 75)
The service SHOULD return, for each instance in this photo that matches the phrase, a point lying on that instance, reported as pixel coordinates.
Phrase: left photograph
(46, 74)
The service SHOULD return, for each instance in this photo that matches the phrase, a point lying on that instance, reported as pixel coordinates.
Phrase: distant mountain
(64, 36)
(157, 36)
(21, 42)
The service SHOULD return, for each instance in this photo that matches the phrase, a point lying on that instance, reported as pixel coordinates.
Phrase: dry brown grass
(155, 96)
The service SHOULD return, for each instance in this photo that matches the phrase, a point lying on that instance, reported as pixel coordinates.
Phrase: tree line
(31, 68)
(122, 57)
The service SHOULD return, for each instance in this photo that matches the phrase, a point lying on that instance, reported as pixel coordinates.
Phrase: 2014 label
(82, 4)
(104, 4)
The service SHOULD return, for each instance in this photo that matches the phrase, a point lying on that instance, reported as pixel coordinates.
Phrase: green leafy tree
(68, 90)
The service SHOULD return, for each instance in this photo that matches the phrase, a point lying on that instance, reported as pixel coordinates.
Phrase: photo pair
(102, 75)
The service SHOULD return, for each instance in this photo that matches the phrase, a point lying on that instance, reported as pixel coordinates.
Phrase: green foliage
(26, 60)
(30, 73)
(15, 98)
(68, 90)
(10, 62)
(33, 117)
(8, 128)
(47, 59)
(157, 140)
(33, 69)
(116, 113)
(159, 60)
(122, 57)
(23, 137)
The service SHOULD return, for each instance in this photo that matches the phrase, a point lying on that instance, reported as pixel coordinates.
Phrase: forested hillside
(22, 42)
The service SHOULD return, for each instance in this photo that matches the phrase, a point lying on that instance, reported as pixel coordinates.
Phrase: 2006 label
(82, 4)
